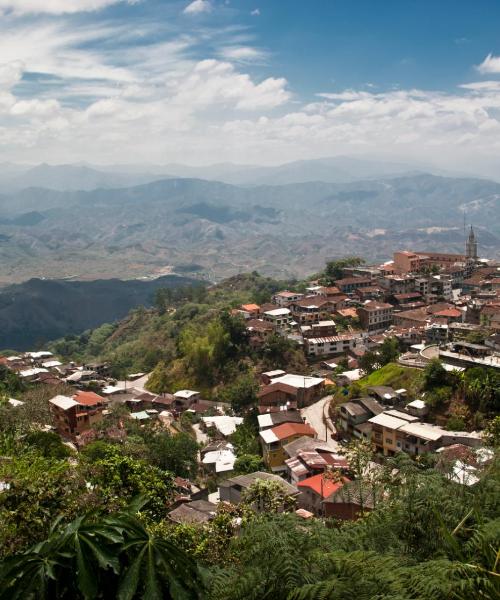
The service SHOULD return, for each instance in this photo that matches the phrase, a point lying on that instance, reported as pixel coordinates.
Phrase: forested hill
(40, 310)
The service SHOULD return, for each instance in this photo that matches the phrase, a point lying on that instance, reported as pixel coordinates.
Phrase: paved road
(314, 416)
(137, 384)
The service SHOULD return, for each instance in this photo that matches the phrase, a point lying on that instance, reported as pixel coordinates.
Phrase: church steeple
(471, 246)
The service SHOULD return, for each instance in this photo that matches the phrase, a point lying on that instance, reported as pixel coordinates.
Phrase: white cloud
(243, 54)
(10, 73)
(491, 64)
(198, 6)
(55, 7)
(255, 12)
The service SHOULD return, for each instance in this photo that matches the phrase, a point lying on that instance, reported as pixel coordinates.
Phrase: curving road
(314, 416)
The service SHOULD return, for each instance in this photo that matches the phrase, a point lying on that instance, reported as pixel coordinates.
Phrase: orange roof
(449, 312)
(286, 430)
(323, 486)
(88, 398)
(250, 307)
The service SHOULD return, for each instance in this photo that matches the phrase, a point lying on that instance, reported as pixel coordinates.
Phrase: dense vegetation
(426, 539)
(190, 340)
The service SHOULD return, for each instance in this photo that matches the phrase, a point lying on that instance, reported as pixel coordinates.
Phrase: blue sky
(257, 81)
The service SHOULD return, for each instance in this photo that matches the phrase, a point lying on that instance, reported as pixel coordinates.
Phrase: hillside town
(429, 310)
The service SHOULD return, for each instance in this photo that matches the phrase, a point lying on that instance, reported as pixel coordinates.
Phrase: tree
(492, 432)
(268, 496)
(158, 382)
(435, 374)
(48, 443)
(368, 362)
(241, 394)
(248, 463)
(334, 269)
(388, 351)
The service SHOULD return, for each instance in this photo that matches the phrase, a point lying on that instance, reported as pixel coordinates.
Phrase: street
(314, 416)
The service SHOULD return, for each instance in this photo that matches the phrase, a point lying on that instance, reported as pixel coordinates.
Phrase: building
(280, 318)
(348, 285)
(75, 415)
(274, 440)
(284, 298)
(233, 489)
(375, 316)
(268, 420)
(314, 490)
(320, 329)
(308, 389)
(471, 247)
(335, 344)
(357, 412)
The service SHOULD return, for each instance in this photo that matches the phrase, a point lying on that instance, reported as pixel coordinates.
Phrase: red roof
(449, 312)
(323, 486)
(250, 307)
(88, 398)
(286, 430)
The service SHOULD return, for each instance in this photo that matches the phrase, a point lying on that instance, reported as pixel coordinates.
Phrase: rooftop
(285, 431)
(322, 484)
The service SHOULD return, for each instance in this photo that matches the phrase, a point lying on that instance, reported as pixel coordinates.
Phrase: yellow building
(273, 441)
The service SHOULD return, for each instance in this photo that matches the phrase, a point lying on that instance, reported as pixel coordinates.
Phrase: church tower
(471, 246)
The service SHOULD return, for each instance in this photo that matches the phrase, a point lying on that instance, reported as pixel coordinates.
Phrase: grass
(395, 376)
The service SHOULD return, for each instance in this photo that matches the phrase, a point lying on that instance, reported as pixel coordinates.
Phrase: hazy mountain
(40, 310)
(87, 177)
(281, 230)
(68, 177)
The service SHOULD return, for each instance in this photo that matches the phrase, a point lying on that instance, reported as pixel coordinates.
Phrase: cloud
(491, 64)
(243, 54)
(55, 7)
(197, 7)
(255, 12)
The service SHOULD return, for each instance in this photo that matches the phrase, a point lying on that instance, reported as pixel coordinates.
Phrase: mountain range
(37, 310)
(220, 229)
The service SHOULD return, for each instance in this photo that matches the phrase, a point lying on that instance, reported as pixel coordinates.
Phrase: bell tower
(471, 246)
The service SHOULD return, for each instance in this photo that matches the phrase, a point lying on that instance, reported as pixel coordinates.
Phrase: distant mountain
(37, 311)
(87, 177)
(67, 178)
(280, 230)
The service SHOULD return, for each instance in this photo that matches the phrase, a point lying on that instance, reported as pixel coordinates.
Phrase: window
(388, 440)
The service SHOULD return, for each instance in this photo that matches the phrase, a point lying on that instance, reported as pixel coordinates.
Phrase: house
(417, 408)
(320, 329)
(280, 318)
(277, 397)
(233, 489)
(314, 490)
(193, 512)
(386, 395)
(309, 456)
(308, 389)
(219, 460)
(268, 420)
(336, 344)
(350, 284)
(259, 330)
(384, 428)
(316, 308)
(74, 415)
(274, 439)
(184, 399)
(350, 501)
(355, 412)
(252, 310)
(225, 425)
(375, 316)
(284, 298)
(269, 376)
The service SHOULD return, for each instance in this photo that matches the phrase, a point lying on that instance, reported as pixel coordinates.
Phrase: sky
(250, 81)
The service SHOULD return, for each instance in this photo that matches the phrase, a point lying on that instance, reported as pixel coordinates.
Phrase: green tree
(334, 269)
(49, 444)
(241, 394)
(268, 496)
(158, 382)
(368, 362)
(248, 463)
(435, 374)
(388, 351)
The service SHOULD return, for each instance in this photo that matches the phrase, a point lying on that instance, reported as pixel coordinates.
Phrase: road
(314, 416)
(137, 384)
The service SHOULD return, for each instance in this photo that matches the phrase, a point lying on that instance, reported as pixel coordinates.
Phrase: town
(427, 315)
